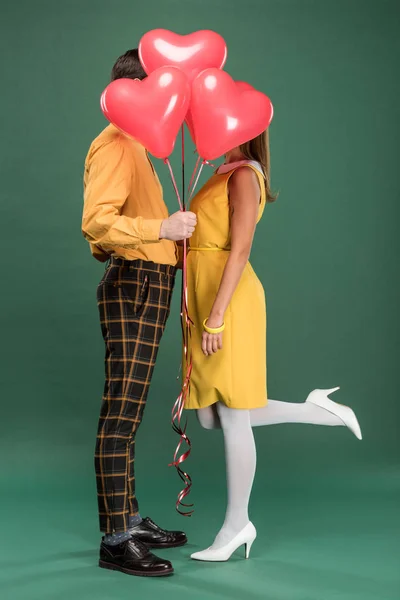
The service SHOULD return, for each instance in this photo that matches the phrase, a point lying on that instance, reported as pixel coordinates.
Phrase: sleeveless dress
(235, 375)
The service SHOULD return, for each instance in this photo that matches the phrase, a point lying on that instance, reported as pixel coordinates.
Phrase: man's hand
(179, 226)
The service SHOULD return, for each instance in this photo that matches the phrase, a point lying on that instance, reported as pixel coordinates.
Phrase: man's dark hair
(128, 65)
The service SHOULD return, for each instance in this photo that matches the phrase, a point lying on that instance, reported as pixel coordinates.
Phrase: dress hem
(229, 406)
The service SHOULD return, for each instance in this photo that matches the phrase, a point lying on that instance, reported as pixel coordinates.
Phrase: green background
(324, 504)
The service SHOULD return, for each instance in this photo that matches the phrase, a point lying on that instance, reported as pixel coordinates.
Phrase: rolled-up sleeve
(108, 185)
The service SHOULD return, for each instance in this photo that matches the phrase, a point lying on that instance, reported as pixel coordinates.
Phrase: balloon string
(194, 174)
(167, 162)
(197, 180)
(186, 324)
(183, 164)
(177, 410)
(178, 407)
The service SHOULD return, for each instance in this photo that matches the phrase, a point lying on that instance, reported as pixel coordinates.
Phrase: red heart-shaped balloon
(226, 115)
(151, 111)
(241, 85)
(192, 53)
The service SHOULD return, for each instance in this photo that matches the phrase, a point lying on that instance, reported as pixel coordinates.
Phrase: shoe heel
(247, 548)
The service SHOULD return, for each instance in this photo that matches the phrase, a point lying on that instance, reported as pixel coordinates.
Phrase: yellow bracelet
(213, 329)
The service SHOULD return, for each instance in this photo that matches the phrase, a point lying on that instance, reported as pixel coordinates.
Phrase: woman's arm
(244, 200)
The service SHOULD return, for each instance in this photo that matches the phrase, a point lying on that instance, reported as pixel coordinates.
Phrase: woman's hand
(212, 342)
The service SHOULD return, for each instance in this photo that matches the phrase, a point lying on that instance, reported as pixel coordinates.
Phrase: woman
(227, 305)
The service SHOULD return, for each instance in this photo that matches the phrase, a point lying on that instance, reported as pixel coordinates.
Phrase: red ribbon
(186, 323)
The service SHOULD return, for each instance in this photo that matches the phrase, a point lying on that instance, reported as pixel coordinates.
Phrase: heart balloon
(225, 116)
(191, 53)
(152, 110)
(241, 85)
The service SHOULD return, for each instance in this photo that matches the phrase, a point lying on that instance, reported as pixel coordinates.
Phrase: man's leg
(134, 305)
(134, 515)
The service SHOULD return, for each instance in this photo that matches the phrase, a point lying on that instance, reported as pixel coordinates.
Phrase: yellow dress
(235, 375)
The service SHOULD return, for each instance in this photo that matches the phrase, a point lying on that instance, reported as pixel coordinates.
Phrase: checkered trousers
(134, 301)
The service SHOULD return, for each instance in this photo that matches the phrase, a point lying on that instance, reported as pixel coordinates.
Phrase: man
(126, 221)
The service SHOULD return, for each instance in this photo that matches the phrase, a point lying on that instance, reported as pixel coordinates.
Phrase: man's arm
(107, 188)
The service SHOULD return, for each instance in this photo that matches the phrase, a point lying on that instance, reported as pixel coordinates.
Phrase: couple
(126, 222)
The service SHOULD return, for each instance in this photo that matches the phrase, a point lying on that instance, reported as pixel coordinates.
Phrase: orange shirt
(123, 202)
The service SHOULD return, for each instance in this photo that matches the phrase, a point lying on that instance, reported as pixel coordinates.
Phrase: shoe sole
(175, 545)
(112, 567)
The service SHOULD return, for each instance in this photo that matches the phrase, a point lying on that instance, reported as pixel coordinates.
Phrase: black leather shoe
(154, 537)
(134, 558)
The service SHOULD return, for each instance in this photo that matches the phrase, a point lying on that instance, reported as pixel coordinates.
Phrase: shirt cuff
(151, 230)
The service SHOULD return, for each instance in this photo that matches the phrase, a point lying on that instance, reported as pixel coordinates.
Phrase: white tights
(240, 450)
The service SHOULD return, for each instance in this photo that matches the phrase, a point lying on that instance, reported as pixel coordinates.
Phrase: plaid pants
(134, 301)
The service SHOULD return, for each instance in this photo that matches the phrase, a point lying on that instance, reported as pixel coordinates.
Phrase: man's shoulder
(111, 140)
(109, 135)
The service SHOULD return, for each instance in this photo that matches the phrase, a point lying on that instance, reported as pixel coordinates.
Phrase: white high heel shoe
(246, 537)
(345, 413)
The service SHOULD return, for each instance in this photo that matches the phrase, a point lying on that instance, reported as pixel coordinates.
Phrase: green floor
(321, 536)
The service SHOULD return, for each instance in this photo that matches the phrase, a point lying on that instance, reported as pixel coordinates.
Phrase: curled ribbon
(186, 323)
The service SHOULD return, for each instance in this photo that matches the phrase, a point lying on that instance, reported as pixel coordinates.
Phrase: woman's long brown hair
(258, 149)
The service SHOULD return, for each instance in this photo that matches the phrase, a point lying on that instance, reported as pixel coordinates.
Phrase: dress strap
(228, 167)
